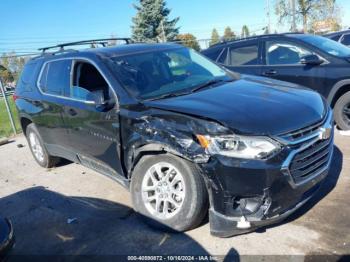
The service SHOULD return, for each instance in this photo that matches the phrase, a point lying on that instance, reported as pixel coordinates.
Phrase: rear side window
(246, 55)
(27, 77)
(55, 78)
(346, 40)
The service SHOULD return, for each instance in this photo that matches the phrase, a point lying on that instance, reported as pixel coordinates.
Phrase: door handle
(271, 72)
(72, 112)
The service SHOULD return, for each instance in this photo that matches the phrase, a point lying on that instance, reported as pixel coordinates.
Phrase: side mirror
(311, 60)
(96, 97)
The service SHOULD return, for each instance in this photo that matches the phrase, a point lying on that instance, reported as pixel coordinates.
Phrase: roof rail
(253, 37)
(103, 42)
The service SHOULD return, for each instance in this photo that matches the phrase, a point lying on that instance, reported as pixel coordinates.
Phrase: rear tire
(37, 147)
(342, 112)
(169, 192)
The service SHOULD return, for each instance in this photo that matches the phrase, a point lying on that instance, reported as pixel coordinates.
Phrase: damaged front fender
(155, 130)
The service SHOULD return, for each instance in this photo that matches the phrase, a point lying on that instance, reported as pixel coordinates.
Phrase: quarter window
(55, 78)
(246, 55)
(284, 53)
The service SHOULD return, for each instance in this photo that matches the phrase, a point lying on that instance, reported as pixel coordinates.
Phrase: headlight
(239, 146)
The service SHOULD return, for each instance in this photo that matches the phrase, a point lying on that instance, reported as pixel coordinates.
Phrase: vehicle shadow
(67, 228)
(326, 187)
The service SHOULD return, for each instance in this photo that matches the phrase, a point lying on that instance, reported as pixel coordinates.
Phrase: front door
(282, 62)
(93, 131)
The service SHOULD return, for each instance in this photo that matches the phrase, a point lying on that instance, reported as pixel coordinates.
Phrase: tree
(10, 67)
(245, 31)
(189, 40)
(306, 11)
(229, 34)
(151, 22)
(215, 38)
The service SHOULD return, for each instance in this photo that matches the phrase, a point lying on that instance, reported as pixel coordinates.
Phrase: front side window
(243, 56)
(284, 53)
(87, 82)
(153, 74)
(55, 78)
(346, 40)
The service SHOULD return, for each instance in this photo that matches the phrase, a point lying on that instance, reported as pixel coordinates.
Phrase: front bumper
(248, 194)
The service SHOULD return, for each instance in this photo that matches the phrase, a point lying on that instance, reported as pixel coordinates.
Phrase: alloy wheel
(36, 147)
(163, 190)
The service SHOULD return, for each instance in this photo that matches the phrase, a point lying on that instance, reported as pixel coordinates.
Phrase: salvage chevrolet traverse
(183, 134)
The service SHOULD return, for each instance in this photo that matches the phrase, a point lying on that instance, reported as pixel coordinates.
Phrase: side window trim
(74, 59)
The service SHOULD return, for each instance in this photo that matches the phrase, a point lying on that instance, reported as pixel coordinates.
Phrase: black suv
(181, 133)
(312, 61)
(340, 36)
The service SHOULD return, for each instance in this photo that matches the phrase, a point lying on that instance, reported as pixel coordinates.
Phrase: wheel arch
(150, 149)
(339, 89)
(25, 121)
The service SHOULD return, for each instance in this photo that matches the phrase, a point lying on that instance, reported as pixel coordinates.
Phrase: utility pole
(163, 31)
(2, 89)
(292, 5)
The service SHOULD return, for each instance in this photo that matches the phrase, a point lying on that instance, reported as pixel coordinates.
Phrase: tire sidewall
(338, 108)
(32, 129)
(181, 221)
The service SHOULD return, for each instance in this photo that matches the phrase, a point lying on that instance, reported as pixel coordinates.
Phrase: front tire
(37, 147)
(169, 192)
(342, 112)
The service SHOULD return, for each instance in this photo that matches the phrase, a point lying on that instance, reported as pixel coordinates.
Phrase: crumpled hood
(251, 105)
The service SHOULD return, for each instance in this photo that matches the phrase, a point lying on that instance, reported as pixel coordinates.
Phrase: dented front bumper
(248, 194)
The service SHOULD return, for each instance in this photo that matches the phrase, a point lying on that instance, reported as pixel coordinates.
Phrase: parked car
(177, 130)
(312, 61)
(342, 37)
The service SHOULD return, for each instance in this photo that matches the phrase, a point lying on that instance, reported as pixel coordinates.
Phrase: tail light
(14, 97)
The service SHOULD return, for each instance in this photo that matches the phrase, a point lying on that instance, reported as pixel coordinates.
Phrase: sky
(29, 24)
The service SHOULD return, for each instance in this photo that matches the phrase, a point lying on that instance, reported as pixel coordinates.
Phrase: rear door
(93, 132)
(242, 57)
(53, 83)
(281, 58)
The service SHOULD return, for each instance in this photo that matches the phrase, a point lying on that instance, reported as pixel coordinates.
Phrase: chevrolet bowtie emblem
(325, 133)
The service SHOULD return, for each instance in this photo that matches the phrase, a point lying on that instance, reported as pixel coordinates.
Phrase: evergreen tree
(189, 40)
(151, 22)
(245, 31)
(229, 34)
(215, 38)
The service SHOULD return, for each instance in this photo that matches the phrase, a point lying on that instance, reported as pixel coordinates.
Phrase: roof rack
(103, 42)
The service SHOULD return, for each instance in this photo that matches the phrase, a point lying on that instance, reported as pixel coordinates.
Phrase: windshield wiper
(210, 83)
(170, 95)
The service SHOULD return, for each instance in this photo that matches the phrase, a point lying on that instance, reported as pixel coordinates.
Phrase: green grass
(5, 124)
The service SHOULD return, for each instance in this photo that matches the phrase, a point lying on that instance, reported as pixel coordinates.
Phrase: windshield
(155, 74)
(327, 45)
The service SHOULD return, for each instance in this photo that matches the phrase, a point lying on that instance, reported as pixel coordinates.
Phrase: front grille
(311, 160)
(303, 132)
